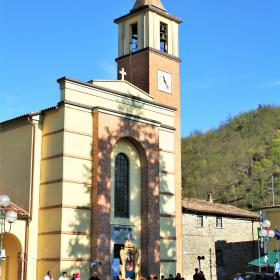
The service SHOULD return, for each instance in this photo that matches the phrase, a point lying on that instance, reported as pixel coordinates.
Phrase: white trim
(137, 103)
(123, 115)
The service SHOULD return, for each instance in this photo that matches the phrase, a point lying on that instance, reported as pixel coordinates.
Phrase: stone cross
(123, 74)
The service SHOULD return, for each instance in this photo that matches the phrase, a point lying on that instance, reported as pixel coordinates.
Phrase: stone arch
(136, 155)
(144, 197)
(126, 147)
(144, 137)
(12, 266)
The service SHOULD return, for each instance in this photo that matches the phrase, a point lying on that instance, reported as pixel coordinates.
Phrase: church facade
(103, 166)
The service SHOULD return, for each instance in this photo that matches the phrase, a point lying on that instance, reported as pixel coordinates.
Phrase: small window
(163, 37)
(199, 221)
(219, 258)
(134, 37)
(219, 222)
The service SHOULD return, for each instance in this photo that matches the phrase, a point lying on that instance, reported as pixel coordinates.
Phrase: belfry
(101, 185)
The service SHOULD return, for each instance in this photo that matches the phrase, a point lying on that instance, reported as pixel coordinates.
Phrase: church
(102, 166)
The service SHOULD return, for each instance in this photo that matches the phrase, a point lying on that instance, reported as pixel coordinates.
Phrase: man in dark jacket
(94, 276)
(196, 274)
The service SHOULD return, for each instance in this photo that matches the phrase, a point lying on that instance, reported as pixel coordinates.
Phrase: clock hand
(167, 86)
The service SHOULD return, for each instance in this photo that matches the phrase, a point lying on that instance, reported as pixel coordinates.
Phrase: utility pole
(252, 197)
(272, 187)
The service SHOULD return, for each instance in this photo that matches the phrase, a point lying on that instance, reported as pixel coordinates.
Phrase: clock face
(164, 81)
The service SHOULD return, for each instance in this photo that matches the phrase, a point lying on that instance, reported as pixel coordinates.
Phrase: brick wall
(108, 130)
(137, 70)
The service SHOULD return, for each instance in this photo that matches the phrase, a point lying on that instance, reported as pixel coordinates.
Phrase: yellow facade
(15, 149)
(51, 154)
(20, 150)
(273, 215)
(65, 191)
(60, 149)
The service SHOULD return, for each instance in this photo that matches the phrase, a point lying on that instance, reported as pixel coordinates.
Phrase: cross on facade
(123, 74)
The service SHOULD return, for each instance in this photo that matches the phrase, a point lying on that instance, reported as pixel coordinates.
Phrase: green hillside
(236, 161)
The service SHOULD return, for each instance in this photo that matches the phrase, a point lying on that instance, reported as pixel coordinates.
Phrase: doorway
(12, 266)
(117, 260)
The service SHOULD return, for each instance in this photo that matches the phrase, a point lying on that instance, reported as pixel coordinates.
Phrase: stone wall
(237, 240)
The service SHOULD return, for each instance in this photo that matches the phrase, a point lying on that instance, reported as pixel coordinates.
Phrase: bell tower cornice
(147, 7)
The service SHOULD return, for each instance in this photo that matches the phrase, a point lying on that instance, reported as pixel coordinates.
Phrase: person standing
(276, 276)
(48, 276)
(94, 276)
(63, 276)
(201, 275)
(178, 276)
(238, 276)
(196, 274)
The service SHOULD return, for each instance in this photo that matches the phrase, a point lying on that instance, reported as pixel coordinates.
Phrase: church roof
(148, 5)
(140, 3)
(28, 115)
(211, 208)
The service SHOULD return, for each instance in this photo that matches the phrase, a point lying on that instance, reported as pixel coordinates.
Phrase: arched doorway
(12, 266)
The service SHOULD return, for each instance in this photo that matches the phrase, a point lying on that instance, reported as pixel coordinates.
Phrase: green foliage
(236, 161)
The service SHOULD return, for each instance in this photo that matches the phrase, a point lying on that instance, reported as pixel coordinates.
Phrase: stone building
(104, 164)
(224, 237)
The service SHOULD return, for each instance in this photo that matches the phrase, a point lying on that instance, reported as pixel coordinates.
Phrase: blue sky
(230, 52)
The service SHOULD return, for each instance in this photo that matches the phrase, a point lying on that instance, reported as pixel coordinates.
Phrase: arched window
(121, 186)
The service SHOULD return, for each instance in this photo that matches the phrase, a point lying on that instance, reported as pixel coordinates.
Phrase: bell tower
(148, 51)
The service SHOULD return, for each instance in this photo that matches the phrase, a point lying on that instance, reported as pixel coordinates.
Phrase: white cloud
(270, 84)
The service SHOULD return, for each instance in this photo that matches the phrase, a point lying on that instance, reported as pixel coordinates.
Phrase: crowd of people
(162, 277)
(65, 276)
(257, 276)
(198, 275)
(76, 276)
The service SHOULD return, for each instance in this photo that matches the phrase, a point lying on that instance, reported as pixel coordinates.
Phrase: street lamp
(5, 216)
(199, 261)
(267, 234)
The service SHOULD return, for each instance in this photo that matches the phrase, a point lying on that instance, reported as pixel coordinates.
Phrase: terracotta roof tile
(204, 206)
(270, 206)
(31, 114)
(20, 212)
